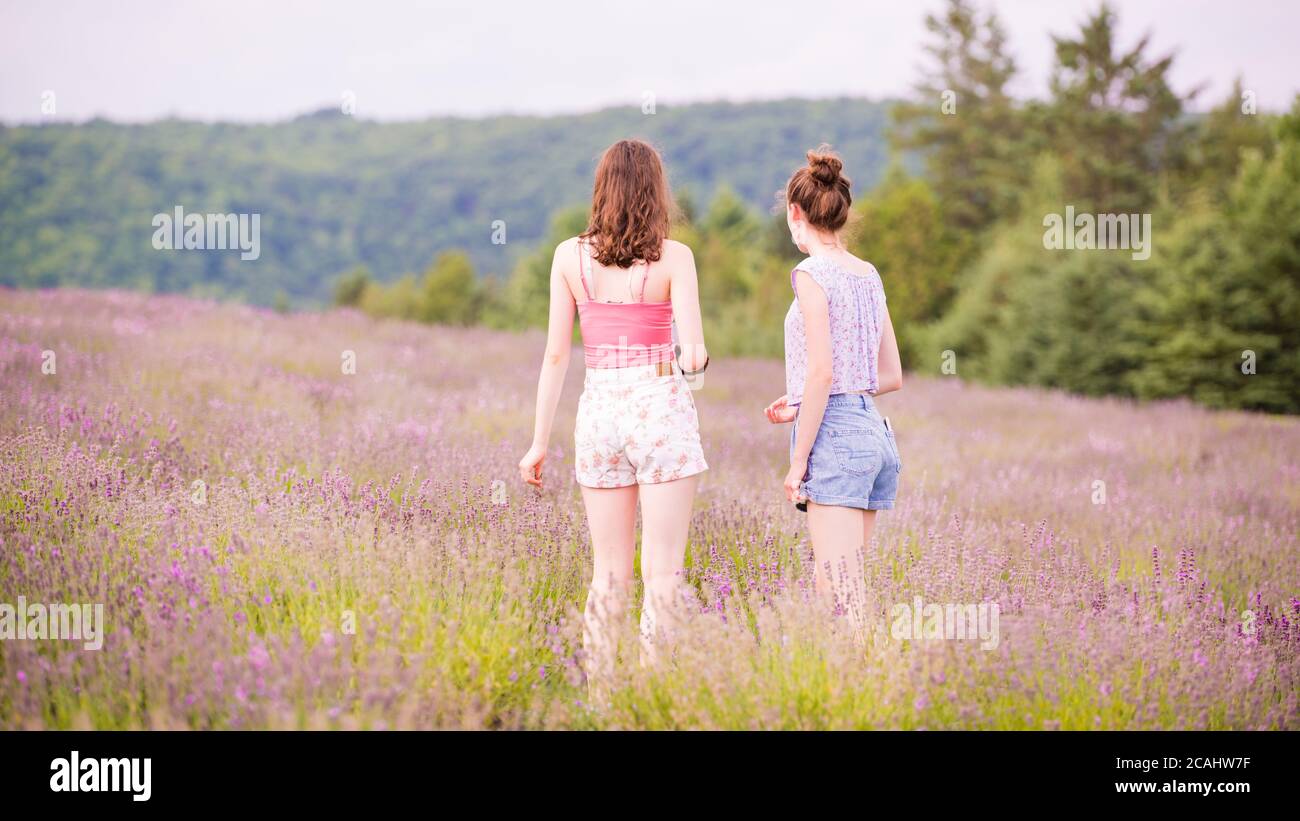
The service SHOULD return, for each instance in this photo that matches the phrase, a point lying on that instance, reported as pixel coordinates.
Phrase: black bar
(334, 770)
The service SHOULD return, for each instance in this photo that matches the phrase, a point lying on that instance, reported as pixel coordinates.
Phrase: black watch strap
(696, 373)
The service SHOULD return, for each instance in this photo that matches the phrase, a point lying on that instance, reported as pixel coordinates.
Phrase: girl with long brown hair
(637, 433)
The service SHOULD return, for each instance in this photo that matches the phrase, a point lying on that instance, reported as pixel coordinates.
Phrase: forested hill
(77, 201)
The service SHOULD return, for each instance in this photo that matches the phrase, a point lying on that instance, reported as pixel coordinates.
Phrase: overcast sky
(262, 60)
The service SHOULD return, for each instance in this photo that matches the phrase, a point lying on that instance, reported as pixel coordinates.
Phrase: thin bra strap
(583, 270)
(585, 273)
(645, 279)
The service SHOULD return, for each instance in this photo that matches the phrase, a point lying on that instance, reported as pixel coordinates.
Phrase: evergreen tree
(963, 120)
(1068, 327)
(1114, 119)
(1012, 254)
(1229, 294)
(1222, 137)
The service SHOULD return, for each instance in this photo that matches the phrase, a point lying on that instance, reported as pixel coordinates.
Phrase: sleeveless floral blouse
(857, 308)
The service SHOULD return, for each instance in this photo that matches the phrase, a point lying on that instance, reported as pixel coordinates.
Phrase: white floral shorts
(635, 427)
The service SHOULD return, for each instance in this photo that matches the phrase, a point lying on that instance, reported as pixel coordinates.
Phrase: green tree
(963, 120)
(744, 291)
(351, 287)
(1222, 137)
(526, 300)
(727, 252)
(1012, 253)
(397, 300)
(1030, 315)
(450, 291)
(1229, 293)
(333, 192)
(1114, 119)
(902, 231)
(1068, 327)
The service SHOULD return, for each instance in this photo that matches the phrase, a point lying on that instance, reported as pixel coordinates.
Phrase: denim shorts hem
(848, 501)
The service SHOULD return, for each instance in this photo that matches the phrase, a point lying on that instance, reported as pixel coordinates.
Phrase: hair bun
(821, 190)
(824, 165)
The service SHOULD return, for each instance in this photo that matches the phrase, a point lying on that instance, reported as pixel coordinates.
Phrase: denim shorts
(854, 460)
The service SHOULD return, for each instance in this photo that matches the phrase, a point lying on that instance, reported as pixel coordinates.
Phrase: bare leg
(837, 535)
(611, 519)
(665, 524)
(868, 527)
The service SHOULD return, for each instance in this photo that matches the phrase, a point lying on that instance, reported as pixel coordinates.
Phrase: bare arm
(817, 386)
(559, 341)
(685, 294)
(889, 368)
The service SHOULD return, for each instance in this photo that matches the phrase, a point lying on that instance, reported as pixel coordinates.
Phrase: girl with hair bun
(840, 352)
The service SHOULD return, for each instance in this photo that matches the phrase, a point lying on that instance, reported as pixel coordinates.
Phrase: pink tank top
(623, 334)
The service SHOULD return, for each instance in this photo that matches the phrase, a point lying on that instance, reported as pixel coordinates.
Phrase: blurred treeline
(1213, 314)
(334, 191)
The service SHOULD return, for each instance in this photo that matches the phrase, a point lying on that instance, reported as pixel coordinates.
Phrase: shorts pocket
(893, 443)
(856, 451)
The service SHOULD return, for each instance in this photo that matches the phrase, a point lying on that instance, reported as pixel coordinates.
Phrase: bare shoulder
(568, 246)
(675, 252)
(566, 256)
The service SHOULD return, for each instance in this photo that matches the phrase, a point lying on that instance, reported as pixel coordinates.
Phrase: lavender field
(278, 543)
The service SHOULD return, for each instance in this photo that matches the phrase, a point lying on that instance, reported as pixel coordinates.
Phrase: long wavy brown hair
(631, 206)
